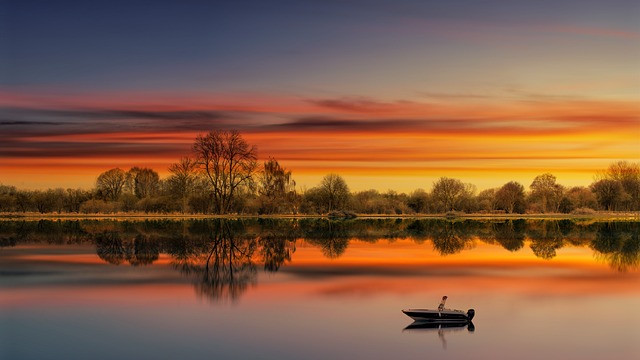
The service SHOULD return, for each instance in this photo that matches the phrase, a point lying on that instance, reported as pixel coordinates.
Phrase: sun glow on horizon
(398, 145)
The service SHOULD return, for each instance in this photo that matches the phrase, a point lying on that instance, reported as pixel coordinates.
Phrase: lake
(318, 289)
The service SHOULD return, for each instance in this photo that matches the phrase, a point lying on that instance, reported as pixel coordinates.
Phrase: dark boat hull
(445, 316)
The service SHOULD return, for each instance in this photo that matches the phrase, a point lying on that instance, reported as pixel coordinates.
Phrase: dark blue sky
(248, 45)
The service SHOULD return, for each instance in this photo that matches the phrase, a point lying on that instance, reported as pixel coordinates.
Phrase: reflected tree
(451, 238)
(112, 248)
(222, 257)
(618, 245)
(276, 244)
(331, 236)
(546, 238)
(145, 251)
(510, 234)
(225, 268)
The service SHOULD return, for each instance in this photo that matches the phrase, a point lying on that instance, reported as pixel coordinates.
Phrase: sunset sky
(389, 94)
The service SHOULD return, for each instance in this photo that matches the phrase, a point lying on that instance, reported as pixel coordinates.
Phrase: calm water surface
(308, 289)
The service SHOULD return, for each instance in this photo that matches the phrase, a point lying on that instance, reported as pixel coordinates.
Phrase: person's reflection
(442, 338)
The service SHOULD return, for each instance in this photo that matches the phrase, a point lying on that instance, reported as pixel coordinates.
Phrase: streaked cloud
(354, 135)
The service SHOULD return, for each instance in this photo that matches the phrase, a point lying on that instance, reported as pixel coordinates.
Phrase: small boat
(440, 315)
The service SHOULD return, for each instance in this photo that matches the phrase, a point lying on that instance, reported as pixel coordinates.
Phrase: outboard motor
(470, 314)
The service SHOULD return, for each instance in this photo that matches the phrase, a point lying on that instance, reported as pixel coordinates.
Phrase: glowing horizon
(402, 146)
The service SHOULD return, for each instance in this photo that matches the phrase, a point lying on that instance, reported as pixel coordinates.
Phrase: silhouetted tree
(182, 182)
(228, 162)
(581, 197)
(419, 201)
(334, 192)
(545, 190)
(510, 197)
(276, 188)
(487, 200)
(111, 183)
(48, 201)
(74, 199)
(608, 192)
(628, 176)
(447, 192)
(7, 198)
(145, 182)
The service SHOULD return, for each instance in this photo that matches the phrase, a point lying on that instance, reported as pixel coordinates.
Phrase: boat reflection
(440, 328)
(419, 326)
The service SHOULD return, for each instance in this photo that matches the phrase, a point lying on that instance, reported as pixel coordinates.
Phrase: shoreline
(604, 216)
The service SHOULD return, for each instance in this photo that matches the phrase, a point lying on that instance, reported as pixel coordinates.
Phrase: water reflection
(618, 246)
(441, 329)
(137, 250)
(222, 266)
(421, 326)
(222, 257)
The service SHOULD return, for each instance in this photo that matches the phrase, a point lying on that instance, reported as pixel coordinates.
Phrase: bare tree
(608, 192)
(419, 201)
(228, 162)
(183, 179)
(7, 197)
(510, 197)
(111, 183)
(145, 182)
(447, 192)
(335, 192)
(628, 175)
(276, 187)
(545, 189)
(487, 200)
(581, 197)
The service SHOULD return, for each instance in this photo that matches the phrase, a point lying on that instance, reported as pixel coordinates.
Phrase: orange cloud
(353, 135)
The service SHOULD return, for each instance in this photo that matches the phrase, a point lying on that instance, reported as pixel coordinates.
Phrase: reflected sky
(62, 298)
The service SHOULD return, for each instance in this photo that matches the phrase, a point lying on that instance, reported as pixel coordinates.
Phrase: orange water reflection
(398, 267)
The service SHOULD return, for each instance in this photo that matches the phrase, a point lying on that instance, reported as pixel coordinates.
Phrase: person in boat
(441, 306)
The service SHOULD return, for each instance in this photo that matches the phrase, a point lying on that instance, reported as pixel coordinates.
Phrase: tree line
(222, 175)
